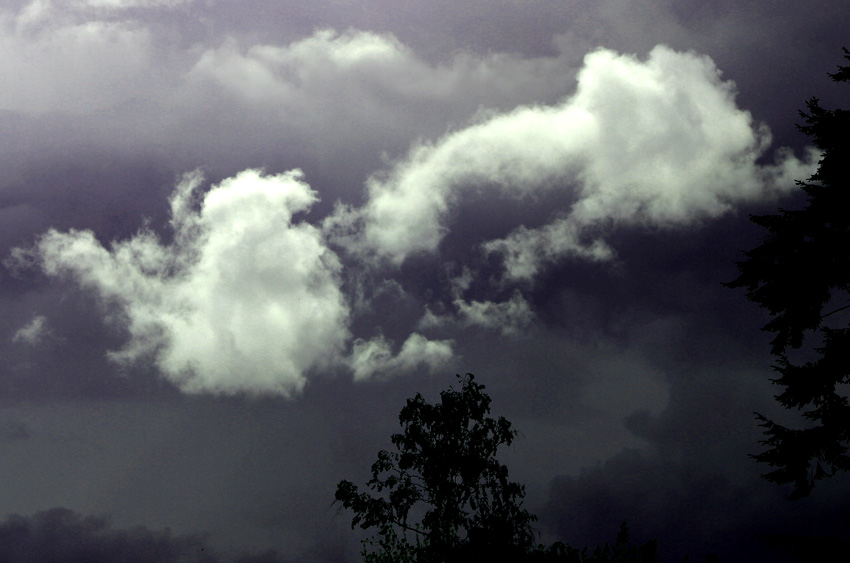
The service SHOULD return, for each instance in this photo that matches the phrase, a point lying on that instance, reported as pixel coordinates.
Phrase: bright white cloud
(374, 358)
(245, 299)
(657, 142)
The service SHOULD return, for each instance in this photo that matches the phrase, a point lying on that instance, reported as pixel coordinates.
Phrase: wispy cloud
(34, 333)
(509, 317)
(374, 358)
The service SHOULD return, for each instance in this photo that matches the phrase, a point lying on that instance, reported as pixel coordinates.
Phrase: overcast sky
(236, 236)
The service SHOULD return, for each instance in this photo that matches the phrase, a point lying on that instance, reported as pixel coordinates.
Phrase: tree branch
(406, 527)
(835, 311)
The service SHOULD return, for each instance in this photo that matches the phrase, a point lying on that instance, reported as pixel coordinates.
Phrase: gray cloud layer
(62, 535)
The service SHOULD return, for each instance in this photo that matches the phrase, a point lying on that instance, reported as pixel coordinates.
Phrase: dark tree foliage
(620, 552)
(442, 495)
(801, 274)
(805, 549)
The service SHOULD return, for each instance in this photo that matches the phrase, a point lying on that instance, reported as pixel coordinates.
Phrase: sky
(236, 236)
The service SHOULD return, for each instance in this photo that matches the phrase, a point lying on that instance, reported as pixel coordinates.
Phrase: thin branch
(835, 311)
(406, 527)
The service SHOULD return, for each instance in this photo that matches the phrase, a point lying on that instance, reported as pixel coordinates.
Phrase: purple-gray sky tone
(236, 236)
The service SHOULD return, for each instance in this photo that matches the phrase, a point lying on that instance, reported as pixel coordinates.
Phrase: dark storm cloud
(690, 510)
(692, 487)
(62, 535)
(691, 483)
(53, 347)
(262, 478)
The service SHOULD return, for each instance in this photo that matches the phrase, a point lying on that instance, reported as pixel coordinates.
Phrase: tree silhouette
(443, 495)
(801, 274)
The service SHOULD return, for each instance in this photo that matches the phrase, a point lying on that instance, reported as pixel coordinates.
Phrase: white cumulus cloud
(658, 141)
(244, 299)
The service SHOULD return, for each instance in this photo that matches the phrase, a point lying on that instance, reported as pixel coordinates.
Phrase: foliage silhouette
(445, 495)
(620, 552)
(807, 549)
(801, 274)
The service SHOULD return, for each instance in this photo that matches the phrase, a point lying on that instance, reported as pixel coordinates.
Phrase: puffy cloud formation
(657, 142)
(244, 299)
(374, 358)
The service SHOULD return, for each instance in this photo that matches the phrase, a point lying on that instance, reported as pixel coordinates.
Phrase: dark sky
(237, 235)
